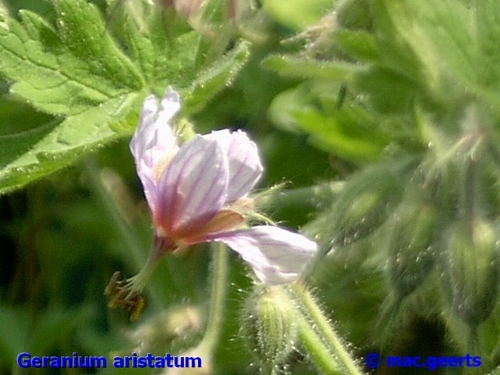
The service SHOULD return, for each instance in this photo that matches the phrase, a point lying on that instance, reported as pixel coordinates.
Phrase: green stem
(316, 349)
(218, 296)
(319, 324)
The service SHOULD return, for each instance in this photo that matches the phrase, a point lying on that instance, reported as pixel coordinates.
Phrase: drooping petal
(154, 141)
(276, 255)
(193, 188)
(245, 167)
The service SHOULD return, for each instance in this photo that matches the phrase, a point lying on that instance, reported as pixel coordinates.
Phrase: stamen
(125, 294)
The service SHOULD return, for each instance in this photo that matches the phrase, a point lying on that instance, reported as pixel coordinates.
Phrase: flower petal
(276, 255)
(154, 140)
(245, 167)
(193, 188)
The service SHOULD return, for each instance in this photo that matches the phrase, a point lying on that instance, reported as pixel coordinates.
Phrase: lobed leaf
(76, 71)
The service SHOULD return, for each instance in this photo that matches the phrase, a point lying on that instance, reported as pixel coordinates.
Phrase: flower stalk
(315, 347)
(318, 337)
(217, 300)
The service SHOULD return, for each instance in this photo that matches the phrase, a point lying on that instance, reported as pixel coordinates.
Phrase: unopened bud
(269, 325)
(471, 270)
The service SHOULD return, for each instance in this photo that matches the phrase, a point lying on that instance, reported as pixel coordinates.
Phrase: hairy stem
(218, 296)
(318, 336)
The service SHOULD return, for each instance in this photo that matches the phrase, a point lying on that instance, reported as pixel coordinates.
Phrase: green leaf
(432, 42)
(91, 43)
(160, 51)
(349, 133)
(41, 151)
(55, 75)
(74, 69)
(333, 120)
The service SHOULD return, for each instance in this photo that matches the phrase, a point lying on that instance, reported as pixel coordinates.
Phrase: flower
(198, 192)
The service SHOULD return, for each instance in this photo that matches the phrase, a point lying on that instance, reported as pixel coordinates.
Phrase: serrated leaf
(309, 68)
(156, 46)
(78, 72)
(47, 72)
(90, 42)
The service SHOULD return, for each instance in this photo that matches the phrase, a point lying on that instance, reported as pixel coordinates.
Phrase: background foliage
(382, 115)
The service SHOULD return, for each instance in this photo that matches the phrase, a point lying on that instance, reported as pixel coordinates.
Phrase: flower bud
(269, 325)
(411, 256)
(471, 274)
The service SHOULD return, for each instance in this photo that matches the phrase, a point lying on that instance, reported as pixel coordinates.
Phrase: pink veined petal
(141, 141)
(193, 188)
(245, 168)
(144, 135)
(153, 136)
(154, 140)
(276, 255)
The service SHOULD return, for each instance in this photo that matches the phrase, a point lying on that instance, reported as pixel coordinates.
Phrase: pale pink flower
(197, 192)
